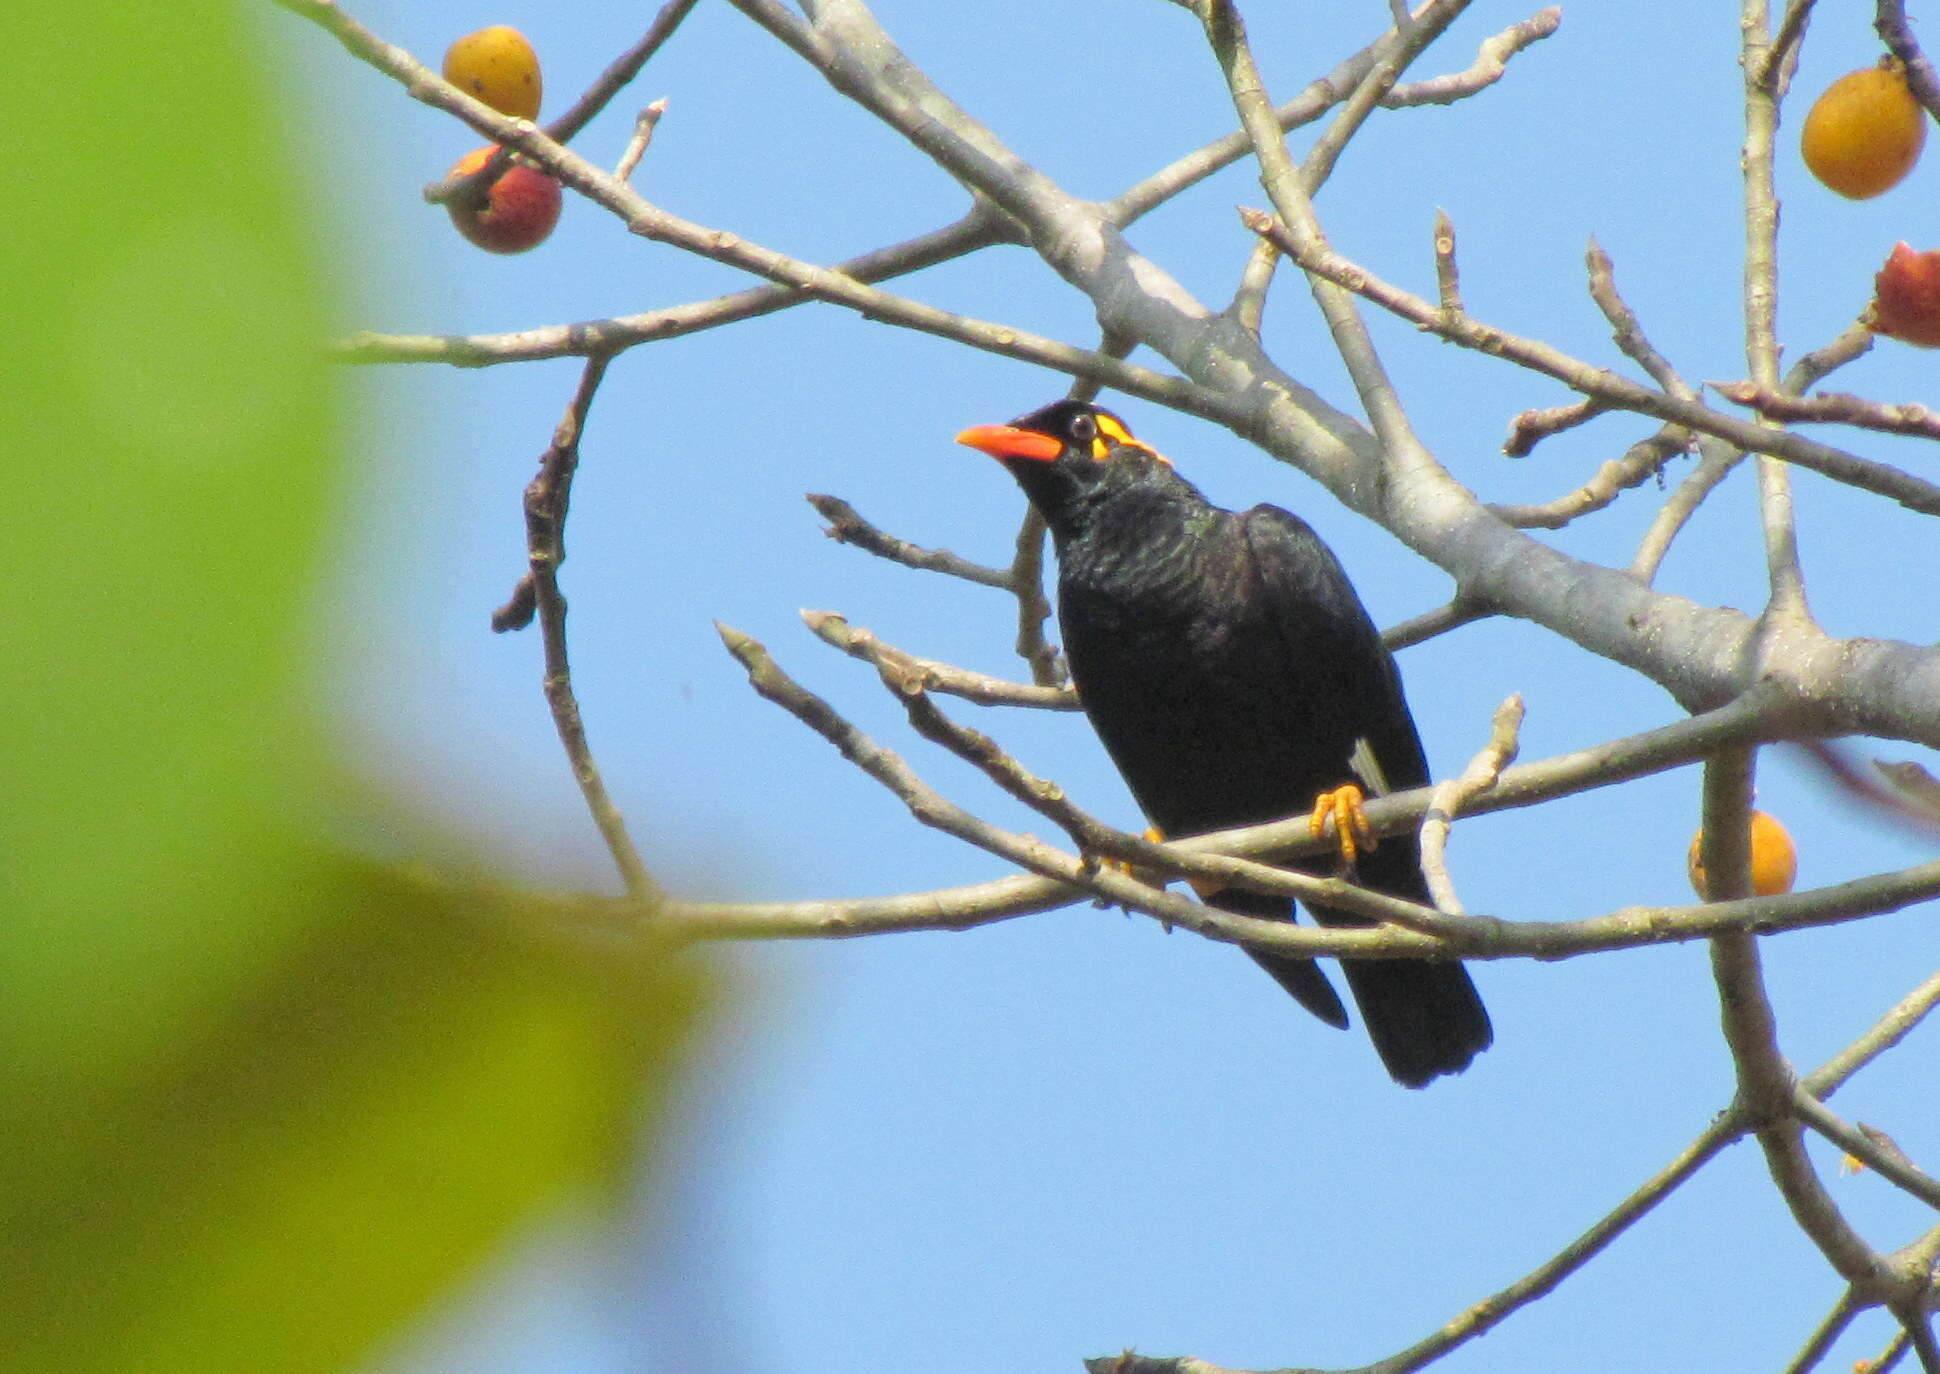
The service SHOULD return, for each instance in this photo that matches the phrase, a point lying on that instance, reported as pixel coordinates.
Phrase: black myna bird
(1234, 677)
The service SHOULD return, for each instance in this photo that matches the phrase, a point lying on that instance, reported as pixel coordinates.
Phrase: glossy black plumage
(1230, 670)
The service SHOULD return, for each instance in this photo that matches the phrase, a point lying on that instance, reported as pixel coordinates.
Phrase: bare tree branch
(1335, 87)
(1625, 329)
(1697, 653)
(1881, 1156)
(1527, 784)
(1889, 19)
(546, 501)
(846, 527)
(636, 148)
(1765, 1084)
(928, 675)
(978, 229)
(1853, 342)
(1715, 462)
(1835, 407)
(1822, 1337)
(1531, 427)
(1421, 628)
(1448, 799)
(1639, 463)
(1617, 391)
(1784, 575)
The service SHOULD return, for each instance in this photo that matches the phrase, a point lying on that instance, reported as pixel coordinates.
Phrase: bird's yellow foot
(1205, 887)
(1126, 866)
(1340, 813)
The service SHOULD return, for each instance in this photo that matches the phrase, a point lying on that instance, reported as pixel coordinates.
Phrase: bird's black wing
(1424, 1017)
(1357, 698)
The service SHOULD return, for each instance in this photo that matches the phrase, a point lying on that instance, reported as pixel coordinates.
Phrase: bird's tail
(1424, 1016)
(1301, 977)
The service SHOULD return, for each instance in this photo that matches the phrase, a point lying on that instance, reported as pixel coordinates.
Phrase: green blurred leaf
(359, 1130)
(260, 1102)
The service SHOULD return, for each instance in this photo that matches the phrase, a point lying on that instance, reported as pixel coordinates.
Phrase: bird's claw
(1205, 887)
(1341, 814)
(1126, 866)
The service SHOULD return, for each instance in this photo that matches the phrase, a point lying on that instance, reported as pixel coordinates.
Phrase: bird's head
(1069, 457)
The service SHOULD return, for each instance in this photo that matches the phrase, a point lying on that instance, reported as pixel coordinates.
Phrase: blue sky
(1071, 1133)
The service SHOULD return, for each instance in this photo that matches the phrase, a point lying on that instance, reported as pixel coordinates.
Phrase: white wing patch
(1368, 768)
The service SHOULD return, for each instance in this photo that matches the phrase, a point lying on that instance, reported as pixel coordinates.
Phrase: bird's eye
(1084, 429)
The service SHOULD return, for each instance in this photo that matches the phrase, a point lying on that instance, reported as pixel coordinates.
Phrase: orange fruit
(499, 67)
(1774, 861)
(1865, 133)
(520, 209)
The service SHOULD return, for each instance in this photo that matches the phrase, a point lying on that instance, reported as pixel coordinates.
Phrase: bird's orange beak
(1008, 441)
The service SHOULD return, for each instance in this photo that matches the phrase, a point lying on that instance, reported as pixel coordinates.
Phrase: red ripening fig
(498, 66)
(1865, 133)
(1906, 297)
(522, 208)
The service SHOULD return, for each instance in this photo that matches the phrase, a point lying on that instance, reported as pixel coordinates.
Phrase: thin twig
(619, 73)
(1882, 1036)
(1026, 583)
(1619, 391)
(1325, 151)
(1716, 459)
(1450, 797)
(1448, 276)
(1249, 298)
(1825, 1333)
(1421, 628)
(933, 676)
(546, 500)
(1889, 19)
(636, 148)
(1765, 1084)
(1775, 72)
(847, 527)
(1639, 463)
(1491, 60)
(1881, 1156)
(1853, 342)
(974, 231)
(1286, 187)
(1531, 427)
(1784, 573)
(1834, 408)
(1471, 937)
(1626, 330)
(1113, 345)
(1889, 1356)
(1322, 95)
